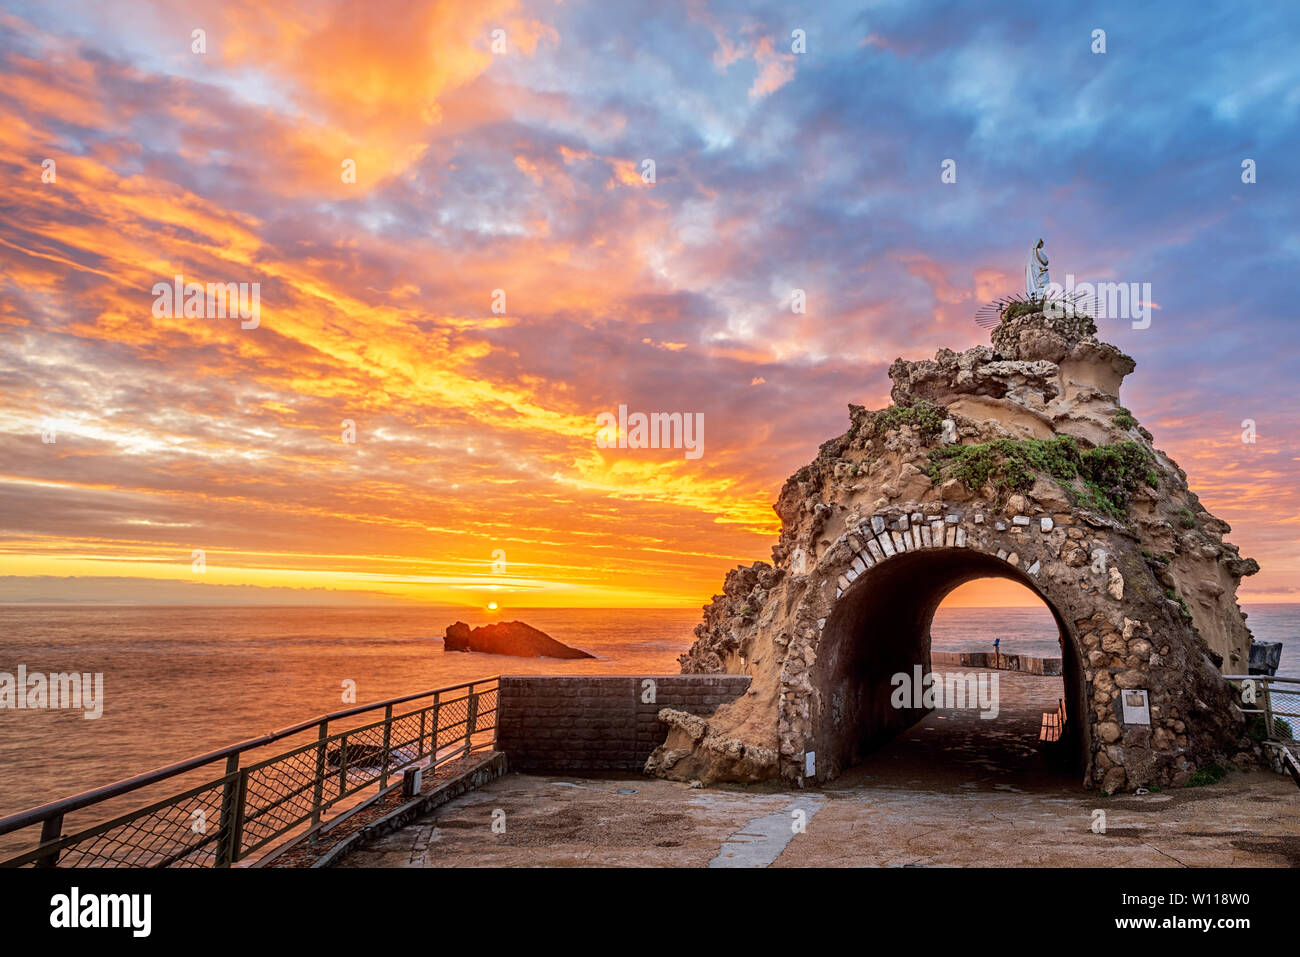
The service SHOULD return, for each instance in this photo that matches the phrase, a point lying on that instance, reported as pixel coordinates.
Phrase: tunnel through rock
(880, 628)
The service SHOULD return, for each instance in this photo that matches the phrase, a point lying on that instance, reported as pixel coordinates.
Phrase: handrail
(1271, 679)
(26, 818)
(1275, 730)
(235, 780)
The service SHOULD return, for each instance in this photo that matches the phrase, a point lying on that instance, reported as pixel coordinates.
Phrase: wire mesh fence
(1271, 706)
(256, 800)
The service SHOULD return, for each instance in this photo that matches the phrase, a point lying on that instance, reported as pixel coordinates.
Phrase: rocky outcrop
(692, 751)
(508, 638)
(1015, 460)
(1265, 656)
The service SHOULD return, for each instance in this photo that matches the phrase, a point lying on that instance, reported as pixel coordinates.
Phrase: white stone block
(951, 519)
(1001, 526)
(1002, 553)
(843, 583)
(979, 518)
(865, 559)
(1020, 519)
(950, 539)
(858, 565)
(887, 545)
(926, 541)
(961, 537)
(1033, 569)
(851, 575)
(900, 542)
(875, 550)
(877, 524)
(1045, 524)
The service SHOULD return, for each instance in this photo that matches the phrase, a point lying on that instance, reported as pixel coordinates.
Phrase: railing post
(388, 745)
(51, 829)
(471, 717)
(424, 713)
(1269, 732)
(237, 832)
(343, 764)
(433, 734)
(496, 713)
(232, 814)
(318, 794)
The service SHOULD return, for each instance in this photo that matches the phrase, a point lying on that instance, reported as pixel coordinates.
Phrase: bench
(1291, 765)
(1053, 723)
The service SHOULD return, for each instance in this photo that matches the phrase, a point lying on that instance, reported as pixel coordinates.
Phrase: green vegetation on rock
(1182, 603)
(1123, 419)
(1281, 728)
(1021, 307)
(924, 417)
(1109, 474)
(1208, 775)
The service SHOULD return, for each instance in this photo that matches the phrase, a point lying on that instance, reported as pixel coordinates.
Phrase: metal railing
(1275, 700)
(224, 819)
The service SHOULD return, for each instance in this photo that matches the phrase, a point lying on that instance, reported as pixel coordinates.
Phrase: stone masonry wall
(598, 722)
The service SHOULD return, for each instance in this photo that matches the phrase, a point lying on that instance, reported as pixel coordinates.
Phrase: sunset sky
(521, 171)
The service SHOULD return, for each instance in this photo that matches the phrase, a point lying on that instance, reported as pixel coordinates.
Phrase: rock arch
(1016, 460)
(879, 626)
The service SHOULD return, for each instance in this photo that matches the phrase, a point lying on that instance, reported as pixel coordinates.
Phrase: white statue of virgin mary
(1036, 272)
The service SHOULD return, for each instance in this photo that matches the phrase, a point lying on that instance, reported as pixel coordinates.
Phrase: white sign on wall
(1137, 710)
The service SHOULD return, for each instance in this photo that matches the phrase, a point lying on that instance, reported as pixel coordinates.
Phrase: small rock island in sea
(508, 638)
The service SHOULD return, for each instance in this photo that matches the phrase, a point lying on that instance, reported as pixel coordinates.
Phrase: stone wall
(598, 722)
(1027, 664)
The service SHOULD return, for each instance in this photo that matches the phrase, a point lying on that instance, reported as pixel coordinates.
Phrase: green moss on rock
(1208, 775)
(1021, 307)
(924, 417)
(1182, 603)
(1107, 475)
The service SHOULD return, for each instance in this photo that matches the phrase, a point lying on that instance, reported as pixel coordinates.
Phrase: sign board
(1137, 710)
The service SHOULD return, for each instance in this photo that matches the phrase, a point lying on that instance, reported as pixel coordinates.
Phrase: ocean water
(180, 681)
(183, 680)
(1032, 631)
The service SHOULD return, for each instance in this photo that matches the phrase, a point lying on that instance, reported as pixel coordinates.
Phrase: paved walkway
(953, 790)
